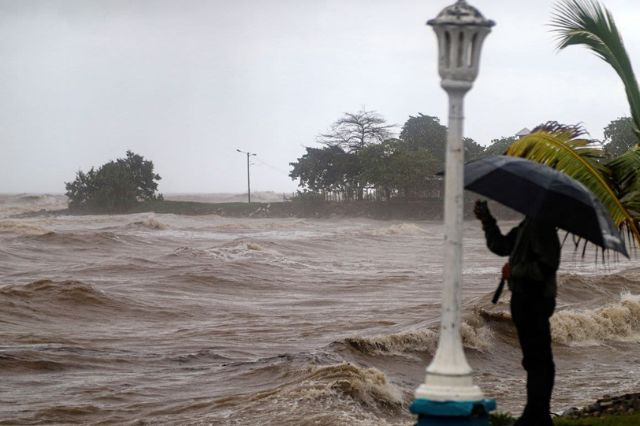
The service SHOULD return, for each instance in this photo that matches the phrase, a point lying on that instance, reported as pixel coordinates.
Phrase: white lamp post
(461, 30)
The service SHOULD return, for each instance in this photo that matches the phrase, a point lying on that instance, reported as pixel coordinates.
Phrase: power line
(271, 167)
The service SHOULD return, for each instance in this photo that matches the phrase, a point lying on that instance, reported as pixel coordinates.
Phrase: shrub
(116, 186)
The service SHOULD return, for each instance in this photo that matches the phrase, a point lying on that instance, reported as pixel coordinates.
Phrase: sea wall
(428, 209)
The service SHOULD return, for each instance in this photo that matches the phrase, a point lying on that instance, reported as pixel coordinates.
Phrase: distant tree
(142, 174)
(499, 146)
(82, 189)
(472, 149)
(354, 131)
(329, 168)
(115, 187)
(426, 132)
(619, 136)
(395, 166)
(412, 169)
(377, 167)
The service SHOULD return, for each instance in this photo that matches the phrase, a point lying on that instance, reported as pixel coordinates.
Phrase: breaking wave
(409, 341)
(21, 228)
(39, 198)
(477, 338)
(367, 386)
(152, 223)
(19, 204)
(396, 229)
(233, 251)
(615, 321)
(338, 394)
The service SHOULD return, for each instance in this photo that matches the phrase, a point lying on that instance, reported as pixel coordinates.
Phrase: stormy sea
(167, 319)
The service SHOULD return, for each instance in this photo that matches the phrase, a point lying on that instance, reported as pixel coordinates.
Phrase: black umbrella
(541, 192)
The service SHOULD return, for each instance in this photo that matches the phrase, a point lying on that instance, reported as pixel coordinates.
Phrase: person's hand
(506, 271)
(482, 211)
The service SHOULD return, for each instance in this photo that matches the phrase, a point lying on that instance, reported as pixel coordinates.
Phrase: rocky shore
(607, 405)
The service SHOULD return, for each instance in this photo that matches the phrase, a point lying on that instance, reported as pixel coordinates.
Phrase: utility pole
(248, 176)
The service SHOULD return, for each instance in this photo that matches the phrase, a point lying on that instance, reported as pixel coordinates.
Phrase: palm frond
(561, 148)
(625, 171)
(631, 201)
(586, 22)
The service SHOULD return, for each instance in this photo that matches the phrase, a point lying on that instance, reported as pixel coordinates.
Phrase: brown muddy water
(165, 319)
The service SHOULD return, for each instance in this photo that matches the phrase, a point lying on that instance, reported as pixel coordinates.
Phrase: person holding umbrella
(550, 200)
(533, 248)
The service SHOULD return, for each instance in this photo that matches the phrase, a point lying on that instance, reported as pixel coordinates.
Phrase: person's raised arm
(502, 245)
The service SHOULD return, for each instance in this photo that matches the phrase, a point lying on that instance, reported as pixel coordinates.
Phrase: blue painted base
(450, 413)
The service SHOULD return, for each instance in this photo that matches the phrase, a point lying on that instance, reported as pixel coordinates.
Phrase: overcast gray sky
(187, 82)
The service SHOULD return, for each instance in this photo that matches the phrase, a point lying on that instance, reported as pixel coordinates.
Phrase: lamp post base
(452, 413)
(448, 387)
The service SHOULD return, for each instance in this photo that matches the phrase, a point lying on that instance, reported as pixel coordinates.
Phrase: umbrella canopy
(541, 192)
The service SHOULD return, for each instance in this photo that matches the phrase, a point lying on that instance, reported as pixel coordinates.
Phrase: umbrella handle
(498, 292)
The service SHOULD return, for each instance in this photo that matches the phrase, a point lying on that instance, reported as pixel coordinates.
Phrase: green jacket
(534, 254)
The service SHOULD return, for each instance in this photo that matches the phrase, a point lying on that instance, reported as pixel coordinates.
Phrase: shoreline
(430, 209)
(609, 410)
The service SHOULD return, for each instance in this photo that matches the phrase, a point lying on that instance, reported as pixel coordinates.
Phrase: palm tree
(588, 23)
(616, 182)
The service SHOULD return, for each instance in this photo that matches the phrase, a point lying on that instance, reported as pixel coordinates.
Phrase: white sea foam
(396, 229)
(619, 321)
(478, 338)
(152, 223)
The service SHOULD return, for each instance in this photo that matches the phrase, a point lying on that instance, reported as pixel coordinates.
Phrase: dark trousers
(531, 313)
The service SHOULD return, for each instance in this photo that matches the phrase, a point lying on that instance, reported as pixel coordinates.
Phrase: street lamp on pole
(248, 176)
(460, 30)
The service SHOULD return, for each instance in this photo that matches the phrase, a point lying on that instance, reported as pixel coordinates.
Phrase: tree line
(359, 156)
